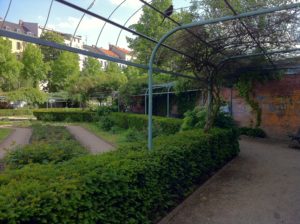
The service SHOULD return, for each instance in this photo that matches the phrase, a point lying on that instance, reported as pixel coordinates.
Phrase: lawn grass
(4, 132)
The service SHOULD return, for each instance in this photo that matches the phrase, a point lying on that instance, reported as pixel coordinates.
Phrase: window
(18, 30)
(18, 46)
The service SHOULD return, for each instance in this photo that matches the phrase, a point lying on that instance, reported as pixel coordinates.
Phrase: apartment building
(22, 27)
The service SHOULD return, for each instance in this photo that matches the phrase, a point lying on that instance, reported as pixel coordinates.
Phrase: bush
(161, 125)
(15, 112)
(43, 153)
(130, 185)
(50, 144)
(70, 115)
(197, 118)
(133, 135)
(252, 132)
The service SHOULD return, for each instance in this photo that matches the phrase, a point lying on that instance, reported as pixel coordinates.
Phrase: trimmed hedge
(130, 185)
(69, 115)
(15, 112)
(50, 144)
(253, 132)
(161, 125)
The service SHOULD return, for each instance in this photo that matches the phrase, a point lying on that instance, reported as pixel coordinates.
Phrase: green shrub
(43, 153)
(133, 135)
(130, 185)
(197, 118)
(252, 132)
(15, 112)
(161, 125)
(50, 144)
(70, 115)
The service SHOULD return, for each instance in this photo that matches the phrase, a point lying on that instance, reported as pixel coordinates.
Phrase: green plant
(93, 186)
(64, 115)
(133, 135)
(196, 119)
(15, 112)
(252, 132)
(49, 144)
(161, 125)
(43, 153)
(129, 185)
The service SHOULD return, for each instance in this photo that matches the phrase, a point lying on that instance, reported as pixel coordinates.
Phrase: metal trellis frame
(76, 7)
(149, 67)
(110, 15)
(195, 24)
(88, 8)
(35, 40)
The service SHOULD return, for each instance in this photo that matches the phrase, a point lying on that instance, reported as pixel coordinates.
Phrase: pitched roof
(125, 51)
(22, 27)
(109, 53)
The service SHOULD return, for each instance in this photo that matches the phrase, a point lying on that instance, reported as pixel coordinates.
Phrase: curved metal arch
(48, 15)
(129, 18)
(110, 15)
(88, 8)
(195, 24)
(78, 8)
(133, 14)
(8, 8)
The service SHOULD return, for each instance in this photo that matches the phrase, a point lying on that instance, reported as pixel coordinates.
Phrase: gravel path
(89, 140)
(261, 186)
(20, 136)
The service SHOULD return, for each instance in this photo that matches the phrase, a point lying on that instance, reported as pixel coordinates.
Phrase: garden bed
(130, 184)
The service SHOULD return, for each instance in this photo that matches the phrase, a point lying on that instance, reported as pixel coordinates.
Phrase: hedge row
(49, 144)
(253, 132)
(140, 122)
(74, 114)
(15, 112)
(130, 185)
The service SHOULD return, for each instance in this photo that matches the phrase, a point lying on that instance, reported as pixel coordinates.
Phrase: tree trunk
(210, 99)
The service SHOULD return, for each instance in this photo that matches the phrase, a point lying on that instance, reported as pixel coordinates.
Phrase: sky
(65, 19)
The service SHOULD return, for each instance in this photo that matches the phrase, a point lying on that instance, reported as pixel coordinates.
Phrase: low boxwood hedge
(161, 125)
(253, 132)
(71, 115)
(129, 185)
(49, 144)
(15, 112)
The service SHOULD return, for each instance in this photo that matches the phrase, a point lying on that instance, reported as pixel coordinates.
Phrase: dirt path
(20, 136)
(89, 140)
(261, 186)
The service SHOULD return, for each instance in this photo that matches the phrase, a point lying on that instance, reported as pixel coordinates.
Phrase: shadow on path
(260, 186)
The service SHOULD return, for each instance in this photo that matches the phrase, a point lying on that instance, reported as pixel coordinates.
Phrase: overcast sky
(65, 19)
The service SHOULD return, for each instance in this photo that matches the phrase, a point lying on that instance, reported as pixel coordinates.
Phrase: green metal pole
(190, 25)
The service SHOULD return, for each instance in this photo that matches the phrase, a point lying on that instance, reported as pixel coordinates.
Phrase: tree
(30, 95)
(149, 24)
(9, 66)
(50, 53)
(35, 69)
(65, 67)
(91, 67)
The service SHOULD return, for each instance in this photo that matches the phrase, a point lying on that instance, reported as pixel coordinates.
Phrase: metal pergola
(179, 27)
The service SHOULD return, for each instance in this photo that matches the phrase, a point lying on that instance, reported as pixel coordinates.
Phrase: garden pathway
(261, 186)
(20, 136)
(89, 140)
